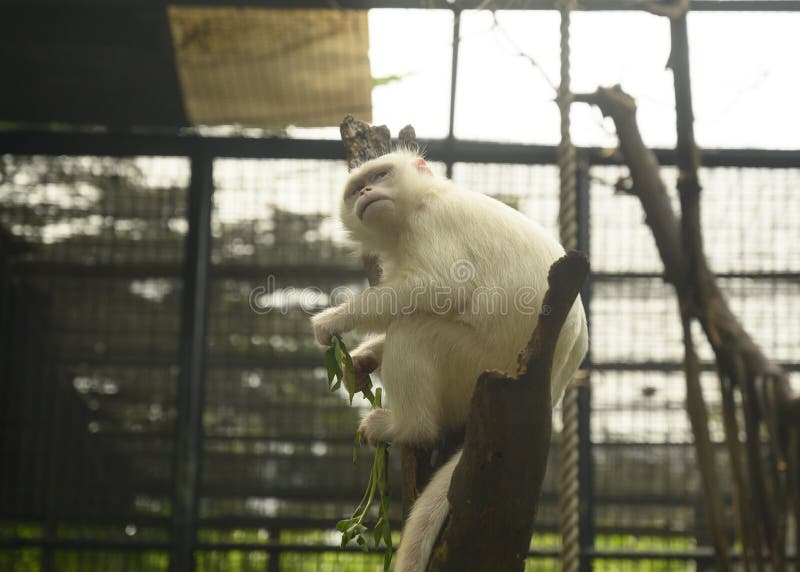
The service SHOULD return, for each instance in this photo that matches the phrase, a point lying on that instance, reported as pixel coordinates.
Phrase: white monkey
(463, 280)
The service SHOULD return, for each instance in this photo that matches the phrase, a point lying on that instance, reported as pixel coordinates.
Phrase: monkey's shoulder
(475, 216)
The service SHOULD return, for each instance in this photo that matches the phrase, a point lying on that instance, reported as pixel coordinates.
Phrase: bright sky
(744, 71)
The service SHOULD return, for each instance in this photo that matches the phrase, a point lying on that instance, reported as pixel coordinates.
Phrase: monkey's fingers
(364, 364)
(324, 338)
(360, 383)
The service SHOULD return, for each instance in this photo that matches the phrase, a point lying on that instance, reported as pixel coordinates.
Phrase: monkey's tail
(425, 521)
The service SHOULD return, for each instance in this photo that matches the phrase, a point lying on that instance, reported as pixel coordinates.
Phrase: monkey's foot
(376, 427)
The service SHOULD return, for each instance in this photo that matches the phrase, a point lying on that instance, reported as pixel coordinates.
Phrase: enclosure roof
(123, 64)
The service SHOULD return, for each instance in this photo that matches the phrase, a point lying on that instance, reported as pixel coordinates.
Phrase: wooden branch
(408, 138)
(738, 357)
(793, 479)
(762, 502)
(669, 8)
(363, 141)
(706, 460)
(644, 170)
(726, 334)
(743, 519)
(791, 411)
(688, 161)
(496, 484)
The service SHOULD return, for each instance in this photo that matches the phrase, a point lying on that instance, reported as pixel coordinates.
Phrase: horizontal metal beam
(313, 274)
(220, 361)
(633, 276)
(299, 274)
(698, 554)
(667, 366)
(586, 5)
(233, 522)
(311, 360)
(137, 144)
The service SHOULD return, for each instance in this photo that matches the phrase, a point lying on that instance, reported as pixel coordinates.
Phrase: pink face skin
(374, 206)
(372, 196)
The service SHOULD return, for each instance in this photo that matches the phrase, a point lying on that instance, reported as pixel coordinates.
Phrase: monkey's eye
(353, 189)
(379, 176)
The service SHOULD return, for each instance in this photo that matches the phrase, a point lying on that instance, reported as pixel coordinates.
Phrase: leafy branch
(340, 368)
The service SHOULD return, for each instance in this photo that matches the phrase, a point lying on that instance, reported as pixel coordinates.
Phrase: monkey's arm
(371, 350)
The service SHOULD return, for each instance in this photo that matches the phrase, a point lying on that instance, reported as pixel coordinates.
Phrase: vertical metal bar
(274, 558)
(191, 380)
(586, 529)
(453, 80)
(51, 424)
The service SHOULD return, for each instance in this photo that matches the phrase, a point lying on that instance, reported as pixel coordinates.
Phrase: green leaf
(367, 393)
(387, 559)
(377, 532)
(387, 537)
(348, 369)
(330, 365)
(339, 363)
(387, 79)
(343, 525)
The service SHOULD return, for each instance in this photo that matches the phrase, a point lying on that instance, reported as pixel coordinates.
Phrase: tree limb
(706, 461)
(737, 355)
(496, 484)
(363, 141)
(644, 170)
(669, 8)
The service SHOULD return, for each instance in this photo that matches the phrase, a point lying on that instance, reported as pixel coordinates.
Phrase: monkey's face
(382, 194)
(374, 202)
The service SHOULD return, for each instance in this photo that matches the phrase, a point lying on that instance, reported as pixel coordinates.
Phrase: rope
(568, 231)
(567, 214)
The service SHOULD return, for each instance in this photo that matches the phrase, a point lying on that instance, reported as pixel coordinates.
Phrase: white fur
(425, 232)
(425, 521)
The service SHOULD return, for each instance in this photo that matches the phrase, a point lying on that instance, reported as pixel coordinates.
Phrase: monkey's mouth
(371, 200)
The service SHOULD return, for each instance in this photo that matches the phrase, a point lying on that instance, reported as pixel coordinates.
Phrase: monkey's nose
(366, 190)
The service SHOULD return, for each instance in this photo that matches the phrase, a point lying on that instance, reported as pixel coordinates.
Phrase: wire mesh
(92, 249)
(91, 255)
(643, 440)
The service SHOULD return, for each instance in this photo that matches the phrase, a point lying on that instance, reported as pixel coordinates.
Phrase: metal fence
(154, 415)
(147, 393)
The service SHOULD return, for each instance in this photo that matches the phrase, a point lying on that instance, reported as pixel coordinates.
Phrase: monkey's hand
(376, 427)
(327, 324)
(363, 365)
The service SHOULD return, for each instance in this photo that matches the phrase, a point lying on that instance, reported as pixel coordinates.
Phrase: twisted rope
(568, 231)
(567, 214)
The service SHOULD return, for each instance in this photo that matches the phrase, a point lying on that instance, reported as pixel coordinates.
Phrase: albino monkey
(463, 280)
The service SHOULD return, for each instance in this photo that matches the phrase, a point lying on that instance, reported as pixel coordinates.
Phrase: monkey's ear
(422, 166)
